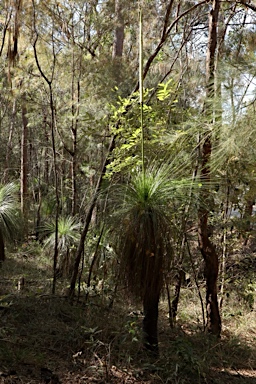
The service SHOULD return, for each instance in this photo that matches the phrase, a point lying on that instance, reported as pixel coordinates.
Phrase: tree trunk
(24, 169)
(9, 144)
(206, 246)
(119, 32)
(150, 334)
(88, 220)
(211, 275)
(75, 109)
(2, 248)
(118, 43)
(248, 211)
(173, 309)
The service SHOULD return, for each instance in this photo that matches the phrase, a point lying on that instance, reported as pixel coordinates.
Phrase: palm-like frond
(9, 214)
(142, 221)
(68, 233)
(68, 236)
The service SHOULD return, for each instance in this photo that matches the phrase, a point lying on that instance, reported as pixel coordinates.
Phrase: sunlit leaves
(165, 90)
(68, 233)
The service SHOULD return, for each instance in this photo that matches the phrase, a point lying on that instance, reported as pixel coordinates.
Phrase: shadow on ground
(47, 339)
(77, 343)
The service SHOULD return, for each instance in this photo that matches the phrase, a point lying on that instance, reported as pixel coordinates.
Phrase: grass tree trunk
(150, 328)
(205, 244)
(152, 282)
(2, 248)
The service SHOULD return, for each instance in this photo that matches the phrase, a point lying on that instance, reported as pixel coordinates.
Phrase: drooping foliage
(141, 217)
(10, 224)
(68, 236)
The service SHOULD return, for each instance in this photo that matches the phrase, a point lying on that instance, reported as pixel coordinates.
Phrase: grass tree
(9, 215)
(141, 223)
(141, 226)
(68, 237)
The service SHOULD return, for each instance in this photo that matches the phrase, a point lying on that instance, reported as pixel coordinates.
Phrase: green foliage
(10, 220)
(126, 126)
(141, 213)
(68, 237)
(165, 90)
(132, 327)
(68, 233)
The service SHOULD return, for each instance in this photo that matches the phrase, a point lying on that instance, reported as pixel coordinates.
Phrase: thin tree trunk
(53, 128)
(93, 262)
(38, 213)
(173, 309)
(119, 31)
(46, 155)
(75, 111)
(5, 29)
(224, 245)
(9, 144)
(173, 306)
(196, 282)
(248, 210)
(56, 250)
(88, 220)
(118, 44)
(24, 169)
(206, 246)
(209, 254)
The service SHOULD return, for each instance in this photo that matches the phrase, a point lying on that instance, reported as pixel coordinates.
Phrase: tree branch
(248, 5)
(4, 32)
(165, 34)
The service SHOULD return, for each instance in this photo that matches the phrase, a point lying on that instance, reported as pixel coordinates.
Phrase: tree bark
(206, 246)
(173, 309)
(150, 334)
(118, 43)
(75, 110)
(2, 248)
(10, 144)
(24, 168)
(49, 81)
(119, 31)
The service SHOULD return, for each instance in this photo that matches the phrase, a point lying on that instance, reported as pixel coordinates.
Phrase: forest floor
(47, 339)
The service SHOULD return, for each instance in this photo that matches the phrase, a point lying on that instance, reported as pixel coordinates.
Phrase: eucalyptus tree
(206, 246)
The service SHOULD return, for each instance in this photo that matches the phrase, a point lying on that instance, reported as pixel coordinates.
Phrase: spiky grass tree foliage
(142, 224)
(68, 237)
(9, 215)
